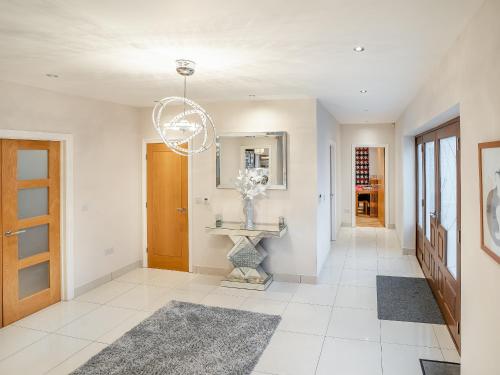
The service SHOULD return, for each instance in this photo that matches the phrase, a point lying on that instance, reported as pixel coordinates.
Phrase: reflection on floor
(367, 221)
(328, 328)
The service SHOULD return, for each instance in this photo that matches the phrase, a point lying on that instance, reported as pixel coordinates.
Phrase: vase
(248, 212)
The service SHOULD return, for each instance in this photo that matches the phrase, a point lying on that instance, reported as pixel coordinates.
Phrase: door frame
(66, 198)
(144, 198)
(332, 151)
(387, 191)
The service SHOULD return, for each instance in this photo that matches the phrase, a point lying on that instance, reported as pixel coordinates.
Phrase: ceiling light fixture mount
(359, 49)
(363, 91)
(52, 75)
(185, 67)
(181, 131)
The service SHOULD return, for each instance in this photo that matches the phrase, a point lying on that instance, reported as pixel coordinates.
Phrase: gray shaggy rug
(186, 338)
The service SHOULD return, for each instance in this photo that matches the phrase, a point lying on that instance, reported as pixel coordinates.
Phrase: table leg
(246, 256)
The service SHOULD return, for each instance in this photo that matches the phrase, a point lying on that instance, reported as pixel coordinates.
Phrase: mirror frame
(284, 136)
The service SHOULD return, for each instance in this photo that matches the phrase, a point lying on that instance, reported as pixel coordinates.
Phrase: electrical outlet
(109, 251)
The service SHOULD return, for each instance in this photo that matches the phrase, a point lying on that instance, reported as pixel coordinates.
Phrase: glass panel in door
(420, 185)
(448, 203)
(33, 279)
(430, 190)
(32, 241)
(32, 164)
(32, 202)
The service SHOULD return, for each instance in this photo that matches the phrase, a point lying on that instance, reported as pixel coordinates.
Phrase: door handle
(9, 233)
(181, 209)
(434, 214)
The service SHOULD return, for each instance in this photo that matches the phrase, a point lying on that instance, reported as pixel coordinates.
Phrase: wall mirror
(239, 151)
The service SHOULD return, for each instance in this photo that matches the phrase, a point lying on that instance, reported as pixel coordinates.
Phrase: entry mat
(186, 338)
(407, 299)
(439, 367)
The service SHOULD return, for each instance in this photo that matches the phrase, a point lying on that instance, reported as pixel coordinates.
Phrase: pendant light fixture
(192, 130)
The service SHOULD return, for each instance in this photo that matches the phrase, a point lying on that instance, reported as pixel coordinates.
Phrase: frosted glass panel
(32, 164)
(35, 240)
(430, 204)
(32, 202)
(33, 279)
(448, 182)
(420, 185)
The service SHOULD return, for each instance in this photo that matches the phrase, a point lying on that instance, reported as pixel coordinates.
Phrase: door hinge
(458, 328)
(146, 204)
(147, 250)
(460, 236)
(458, 143)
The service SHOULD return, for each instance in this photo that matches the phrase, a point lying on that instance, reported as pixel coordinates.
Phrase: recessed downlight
(359, 49)
(52, 75)
(363, 91)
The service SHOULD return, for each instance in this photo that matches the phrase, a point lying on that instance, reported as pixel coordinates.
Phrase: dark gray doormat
(185, 338)
(439, 367)
(407, 299)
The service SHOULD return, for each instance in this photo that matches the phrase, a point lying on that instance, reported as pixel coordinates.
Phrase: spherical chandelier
(190, 131)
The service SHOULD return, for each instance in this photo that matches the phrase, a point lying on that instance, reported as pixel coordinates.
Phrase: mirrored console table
(247, 253)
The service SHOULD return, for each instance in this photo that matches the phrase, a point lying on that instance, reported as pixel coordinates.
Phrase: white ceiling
(124, 50)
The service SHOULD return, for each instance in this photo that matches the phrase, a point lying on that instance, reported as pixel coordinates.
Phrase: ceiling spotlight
(51, 75)
(359, 49)
(363, 91)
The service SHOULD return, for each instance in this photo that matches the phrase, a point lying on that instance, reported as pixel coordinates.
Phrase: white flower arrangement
(251, 183)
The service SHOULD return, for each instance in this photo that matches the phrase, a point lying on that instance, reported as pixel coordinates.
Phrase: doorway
(438, 217)
(167, 208)
(369, 186)
(333, 181)
(30, 262)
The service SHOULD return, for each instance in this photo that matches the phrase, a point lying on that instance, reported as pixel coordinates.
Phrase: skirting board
(409, 251)
(106, 278)
(389, 226)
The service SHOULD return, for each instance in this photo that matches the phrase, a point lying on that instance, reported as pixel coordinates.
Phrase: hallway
(327, 328)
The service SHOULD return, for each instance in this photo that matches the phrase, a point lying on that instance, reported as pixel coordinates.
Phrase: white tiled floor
(328, 328)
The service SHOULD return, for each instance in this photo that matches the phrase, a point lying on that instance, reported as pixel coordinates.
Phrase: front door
(438, 217)
(30, 227)
(167, 208)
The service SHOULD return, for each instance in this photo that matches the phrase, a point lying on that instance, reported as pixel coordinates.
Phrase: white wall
(295, 254)
(366, 134)
(106, 171)
(469, 79)
(328, 132)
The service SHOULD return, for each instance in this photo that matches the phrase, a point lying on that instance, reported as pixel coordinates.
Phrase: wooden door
(167, 209)
(30, 227)
(438, 217)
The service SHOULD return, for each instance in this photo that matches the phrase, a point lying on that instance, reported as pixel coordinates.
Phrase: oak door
(30, 227)
(438, 217)
(167, 209)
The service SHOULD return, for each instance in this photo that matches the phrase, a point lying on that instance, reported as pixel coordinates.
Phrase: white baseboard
(106, 278)
(409, 251)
